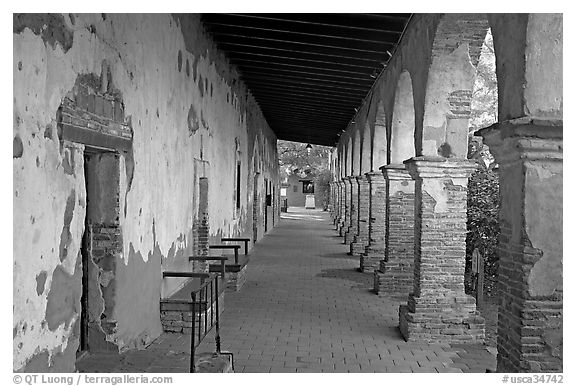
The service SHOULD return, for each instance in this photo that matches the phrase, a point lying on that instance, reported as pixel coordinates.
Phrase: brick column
(530, 316)
(374, 251)
(438, 310)
(360, 241)
(395, 273)
(337, 203)
(345, 207)
(331, 200)
(353, 223)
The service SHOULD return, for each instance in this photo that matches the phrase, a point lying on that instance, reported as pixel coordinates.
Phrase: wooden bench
(236, 272)
(221, 268)
(228, 246)
(246, 240)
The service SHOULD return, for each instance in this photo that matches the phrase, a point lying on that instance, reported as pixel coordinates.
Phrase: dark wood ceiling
(308, 72)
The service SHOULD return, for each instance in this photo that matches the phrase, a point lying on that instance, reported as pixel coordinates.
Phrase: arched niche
(402, 138)
(380, 143)
(455, 53)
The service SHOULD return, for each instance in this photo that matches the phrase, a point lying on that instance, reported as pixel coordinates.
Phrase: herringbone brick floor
(305, 308)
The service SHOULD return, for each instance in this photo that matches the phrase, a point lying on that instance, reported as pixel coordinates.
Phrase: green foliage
(296, 158)
(293, 157)
(483, 226)
(322, 187)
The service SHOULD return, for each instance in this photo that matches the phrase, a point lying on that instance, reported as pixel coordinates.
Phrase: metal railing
(205, 309)
(205, 301)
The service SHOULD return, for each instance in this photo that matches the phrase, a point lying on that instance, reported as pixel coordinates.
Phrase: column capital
(520, 141)
(440, 167)
(395, 172)
(375, 177)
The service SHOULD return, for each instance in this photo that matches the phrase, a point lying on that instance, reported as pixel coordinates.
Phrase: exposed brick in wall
(456, 29)
(530, 315)
(177, 316)
(460, 104)
(374, 251)
(93, 113)
(358, 245)
(438, 310)
(352, 230)
(105, 246)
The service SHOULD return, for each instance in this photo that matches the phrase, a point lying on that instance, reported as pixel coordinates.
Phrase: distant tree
(296, 158)
(483, 227)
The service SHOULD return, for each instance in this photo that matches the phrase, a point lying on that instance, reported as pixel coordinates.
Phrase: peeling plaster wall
(185, 103)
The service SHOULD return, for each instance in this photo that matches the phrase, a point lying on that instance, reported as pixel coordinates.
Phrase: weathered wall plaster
(544, 73)
(178, 115)
(402, 130)
(543, 186)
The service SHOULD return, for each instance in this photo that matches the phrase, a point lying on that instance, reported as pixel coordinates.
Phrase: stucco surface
(164, 66)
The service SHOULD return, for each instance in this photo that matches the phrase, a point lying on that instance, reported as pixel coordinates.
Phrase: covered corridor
(144, 142)
(305, 308)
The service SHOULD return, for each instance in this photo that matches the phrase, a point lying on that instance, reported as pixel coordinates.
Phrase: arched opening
(366, 164)
(483, 228)
(380, 143)
(402, 139)
(356, 153)
(349, 158)
(457, 48)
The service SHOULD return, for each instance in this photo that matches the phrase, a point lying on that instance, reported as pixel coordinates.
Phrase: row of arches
(415, 126)
(421, 105)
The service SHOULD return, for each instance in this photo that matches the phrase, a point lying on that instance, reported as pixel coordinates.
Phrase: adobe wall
(190, 117)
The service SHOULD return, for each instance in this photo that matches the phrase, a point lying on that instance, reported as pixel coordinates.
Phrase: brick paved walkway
(305, 308)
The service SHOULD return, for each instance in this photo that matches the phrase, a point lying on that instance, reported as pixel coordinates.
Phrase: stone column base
(394, 277)
(441, 320)
(370, 259)
(358, 246)
(342, 228)
(349, 236)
